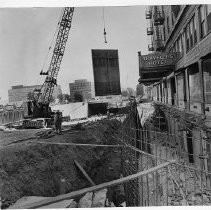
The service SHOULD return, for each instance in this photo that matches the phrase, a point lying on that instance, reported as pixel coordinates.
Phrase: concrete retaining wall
(74, 110)
(10, 116)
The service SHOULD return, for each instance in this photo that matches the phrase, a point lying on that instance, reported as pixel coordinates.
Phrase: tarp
(145, 111)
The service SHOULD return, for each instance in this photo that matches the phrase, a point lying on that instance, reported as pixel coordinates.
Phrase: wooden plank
(84, 172)
(73, 144)
(93, 188)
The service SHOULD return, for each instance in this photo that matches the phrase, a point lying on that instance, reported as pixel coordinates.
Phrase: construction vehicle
(39, 107)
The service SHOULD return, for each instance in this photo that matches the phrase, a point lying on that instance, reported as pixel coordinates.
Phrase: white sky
(26, 33)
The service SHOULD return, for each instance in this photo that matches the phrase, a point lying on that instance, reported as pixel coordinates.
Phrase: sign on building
(154, 66)
(155, 60)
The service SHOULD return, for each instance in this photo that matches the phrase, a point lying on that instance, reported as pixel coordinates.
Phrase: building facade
(178, 72)
(83, 87)
(184, 31)
(20, 92)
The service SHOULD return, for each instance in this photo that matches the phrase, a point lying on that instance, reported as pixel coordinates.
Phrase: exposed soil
(28, 168)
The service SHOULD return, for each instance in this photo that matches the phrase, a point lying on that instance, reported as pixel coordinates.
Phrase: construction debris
(27, 200)
(99, 198)
(89, 200)
(86, 201)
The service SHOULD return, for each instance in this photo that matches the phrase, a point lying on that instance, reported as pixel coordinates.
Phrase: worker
(108, 113)
(57, 123)
(60, 122)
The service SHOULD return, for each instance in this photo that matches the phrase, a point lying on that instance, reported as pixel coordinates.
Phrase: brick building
(82, 86)
(182, 32)
(178, 71)
(20, 92)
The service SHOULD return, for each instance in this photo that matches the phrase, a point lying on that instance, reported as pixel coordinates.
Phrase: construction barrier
(10, 116)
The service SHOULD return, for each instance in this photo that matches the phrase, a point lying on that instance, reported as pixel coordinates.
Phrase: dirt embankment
(32, 169)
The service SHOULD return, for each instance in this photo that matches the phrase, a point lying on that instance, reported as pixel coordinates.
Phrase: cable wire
(104, 31)
(53, 38)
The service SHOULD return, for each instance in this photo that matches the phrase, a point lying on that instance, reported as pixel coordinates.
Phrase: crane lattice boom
(51, 80)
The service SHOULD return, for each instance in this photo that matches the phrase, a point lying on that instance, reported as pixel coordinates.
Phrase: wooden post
(84, 172)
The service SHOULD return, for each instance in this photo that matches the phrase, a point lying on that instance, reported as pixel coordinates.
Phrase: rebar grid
(161, 139)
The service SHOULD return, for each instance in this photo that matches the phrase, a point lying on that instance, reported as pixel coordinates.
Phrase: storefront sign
(158, 59)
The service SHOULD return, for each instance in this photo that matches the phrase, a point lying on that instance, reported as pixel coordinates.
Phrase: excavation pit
(33, 168)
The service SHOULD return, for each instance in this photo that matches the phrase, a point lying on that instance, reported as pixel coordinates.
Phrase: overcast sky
(25, 36)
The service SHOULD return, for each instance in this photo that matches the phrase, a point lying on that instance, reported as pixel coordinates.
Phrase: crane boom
(62, 36)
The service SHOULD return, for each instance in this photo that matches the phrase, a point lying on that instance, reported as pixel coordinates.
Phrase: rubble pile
(89, 200)
(173, 186)
(184, 187)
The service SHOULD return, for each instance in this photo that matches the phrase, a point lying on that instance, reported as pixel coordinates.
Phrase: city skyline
(28, 50)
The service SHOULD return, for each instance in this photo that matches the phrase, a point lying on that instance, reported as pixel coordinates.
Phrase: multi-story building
(83, 87)
(179, 67)
(178, 70)
(20, 92)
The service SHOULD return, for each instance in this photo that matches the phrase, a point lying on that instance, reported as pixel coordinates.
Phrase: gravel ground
(7, 137)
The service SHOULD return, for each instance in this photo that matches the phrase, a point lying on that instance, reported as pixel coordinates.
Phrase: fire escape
(155, 15)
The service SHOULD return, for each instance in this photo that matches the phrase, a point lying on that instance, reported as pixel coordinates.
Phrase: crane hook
(105, 36)
(104, 33)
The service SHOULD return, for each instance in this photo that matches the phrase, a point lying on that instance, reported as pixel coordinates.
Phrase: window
(207, 80)
(181, 90)
(174, 48)
(190, 33)
(164, 90)
(209, 17)
(172, 18)
(177, 45)
(164, 33)
(194, 84)
(187, 34)
(194, 30)
(173, 90)
(160, 92)
(180, 44)
(157, 88)
(202, 21)
(175, 9)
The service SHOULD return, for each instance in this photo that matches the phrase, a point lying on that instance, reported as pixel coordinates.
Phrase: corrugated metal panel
(106, 72)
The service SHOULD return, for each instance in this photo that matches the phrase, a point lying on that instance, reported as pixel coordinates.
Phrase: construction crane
(39, 107)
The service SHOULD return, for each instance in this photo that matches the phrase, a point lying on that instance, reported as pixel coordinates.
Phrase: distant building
(20, 92)
(82, 86)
